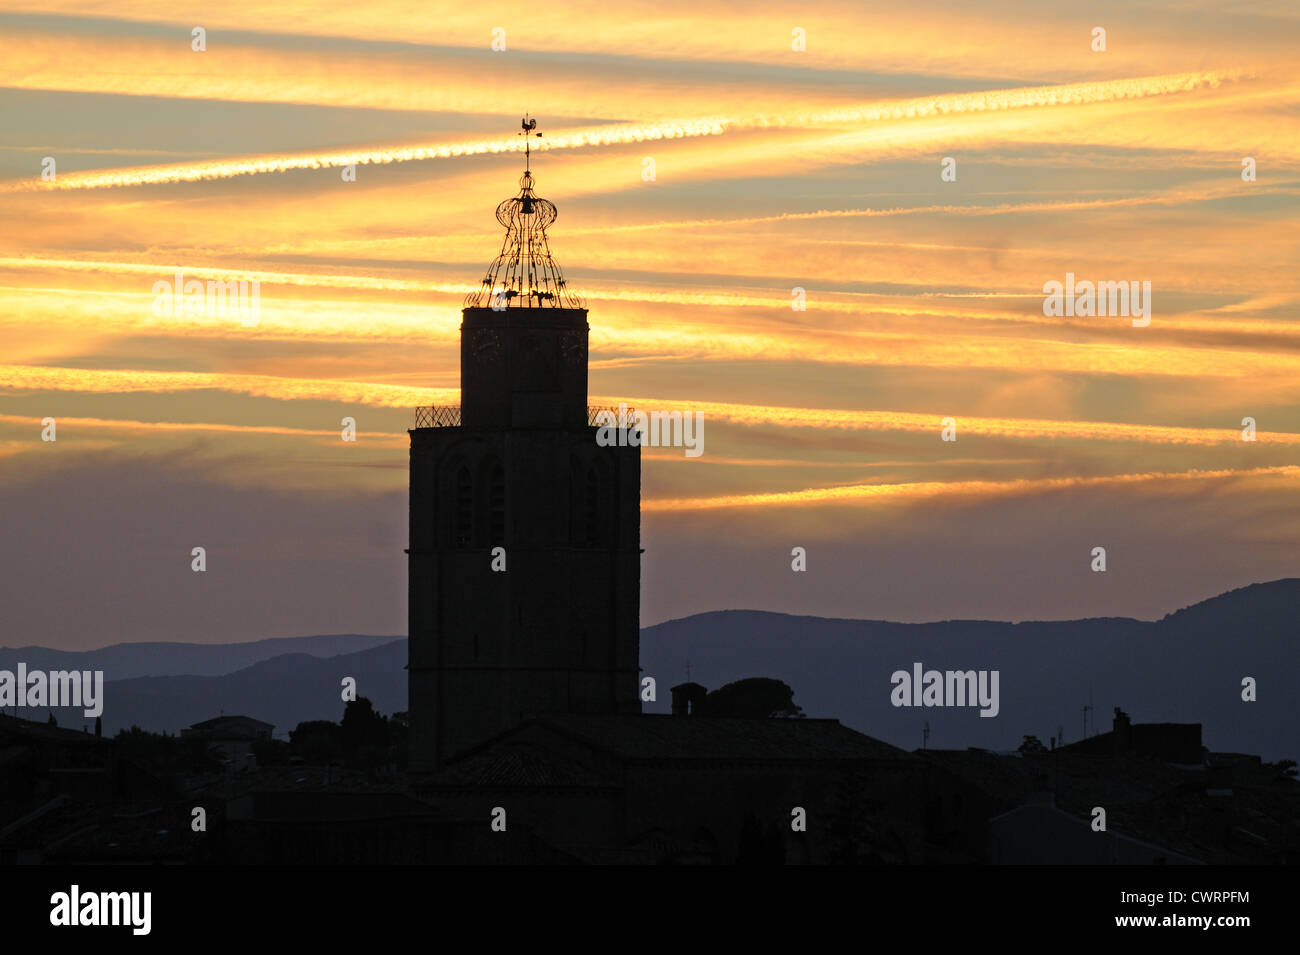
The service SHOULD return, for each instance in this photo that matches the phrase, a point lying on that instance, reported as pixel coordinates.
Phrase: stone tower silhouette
(517, 467)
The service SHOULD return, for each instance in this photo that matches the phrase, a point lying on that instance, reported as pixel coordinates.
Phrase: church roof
(510, 765)
(521, 756)
(653, 736)
(231, 727)
(14, 726)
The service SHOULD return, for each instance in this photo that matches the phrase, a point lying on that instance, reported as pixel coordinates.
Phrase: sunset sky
(774, 169)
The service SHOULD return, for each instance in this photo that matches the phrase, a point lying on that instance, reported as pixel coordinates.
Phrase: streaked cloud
(967, 491)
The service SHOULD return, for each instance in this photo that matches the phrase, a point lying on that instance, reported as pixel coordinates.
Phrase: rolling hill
(1186, 667)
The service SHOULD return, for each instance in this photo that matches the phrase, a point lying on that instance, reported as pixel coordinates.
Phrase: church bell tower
(524, 558)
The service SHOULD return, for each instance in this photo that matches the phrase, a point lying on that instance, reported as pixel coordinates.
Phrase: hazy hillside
(125, 660)
(1185, 668)
(284, 690)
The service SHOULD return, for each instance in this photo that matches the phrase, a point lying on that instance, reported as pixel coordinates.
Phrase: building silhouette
(524, 558)
(234, 737)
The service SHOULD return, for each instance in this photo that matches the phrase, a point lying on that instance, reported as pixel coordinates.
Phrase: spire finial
(524, 275)
(528, 126)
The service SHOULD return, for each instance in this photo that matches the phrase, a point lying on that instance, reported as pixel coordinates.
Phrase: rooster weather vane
(524, 275)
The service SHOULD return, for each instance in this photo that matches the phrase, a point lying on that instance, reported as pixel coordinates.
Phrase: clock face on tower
(574, 348)
(486, 345)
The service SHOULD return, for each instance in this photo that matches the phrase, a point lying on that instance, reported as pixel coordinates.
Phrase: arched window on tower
(577, 492)
(497, 505)
(463, 532)
(591, 509)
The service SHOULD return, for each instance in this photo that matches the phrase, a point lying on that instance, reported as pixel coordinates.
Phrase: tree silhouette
(1031, 746)
(364, 734)
(316, 741)
(752, 698)
(162, 752)
(363, 739)
(399, 732)
(271, 752)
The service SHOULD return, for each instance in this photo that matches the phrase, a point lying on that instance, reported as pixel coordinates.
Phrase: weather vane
(528, 126)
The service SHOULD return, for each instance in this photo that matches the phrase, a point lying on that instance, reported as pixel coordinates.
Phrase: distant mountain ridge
(284, 691)
(1185, 667)
(126, 660)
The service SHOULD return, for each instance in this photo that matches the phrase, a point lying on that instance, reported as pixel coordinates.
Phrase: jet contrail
(227, 168)
(873, 493)
(1073, 94)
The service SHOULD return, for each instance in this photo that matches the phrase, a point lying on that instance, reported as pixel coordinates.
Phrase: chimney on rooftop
(687, 698)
